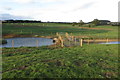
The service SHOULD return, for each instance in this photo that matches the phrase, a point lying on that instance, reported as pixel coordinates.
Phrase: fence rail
(70, 40)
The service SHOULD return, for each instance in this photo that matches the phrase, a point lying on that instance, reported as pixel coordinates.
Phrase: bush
(3, 41)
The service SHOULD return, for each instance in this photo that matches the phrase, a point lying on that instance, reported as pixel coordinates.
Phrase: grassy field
(90, 61)
(50, 29)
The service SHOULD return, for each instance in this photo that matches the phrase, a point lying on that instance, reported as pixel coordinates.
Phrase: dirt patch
(14, 35)
(56, 62)
(22, 67)
(77, 63)
(110, 74)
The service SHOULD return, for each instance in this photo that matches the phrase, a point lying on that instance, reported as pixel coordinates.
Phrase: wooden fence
(70, 40)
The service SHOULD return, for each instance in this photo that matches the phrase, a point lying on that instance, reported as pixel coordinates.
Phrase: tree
(74, 23)
(96, 22)
(81, 23)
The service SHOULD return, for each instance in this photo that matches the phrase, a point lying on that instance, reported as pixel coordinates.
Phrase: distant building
(3, 21)
(115, 23)
(104, 22)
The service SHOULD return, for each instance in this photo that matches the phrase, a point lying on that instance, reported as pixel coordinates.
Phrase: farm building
(115, 23)
(104, 22)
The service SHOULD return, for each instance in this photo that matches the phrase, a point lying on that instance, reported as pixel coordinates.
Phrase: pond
(27, 42)
(115, 42)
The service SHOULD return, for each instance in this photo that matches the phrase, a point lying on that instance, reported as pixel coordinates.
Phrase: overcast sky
(60, 10)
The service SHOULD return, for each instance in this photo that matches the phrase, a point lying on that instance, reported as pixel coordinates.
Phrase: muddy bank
(52, 37)
(14, 36)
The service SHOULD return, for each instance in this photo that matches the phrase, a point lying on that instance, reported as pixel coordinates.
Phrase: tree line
(96, 22)
(21, 21)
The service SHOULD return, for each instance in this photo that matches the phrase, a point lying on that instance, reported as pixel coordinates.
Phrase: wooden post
(107, 40)
(61, 41)
(88, 41)
(12, 43)
(62, 45)
(67, 36)
(72, 38)
(81, 42)
(37, 43)
(75, 41)
(57, 34)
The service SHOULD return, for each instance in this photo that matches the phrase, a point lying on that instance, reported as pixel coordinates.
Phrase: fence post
(107, 40)
(72, 38)
(67, 35)
(57, 34)
(62, 45)
(81, 42)
(37, 43)
(75, 41)
(61, 40)
(88, 42)
(12, 43)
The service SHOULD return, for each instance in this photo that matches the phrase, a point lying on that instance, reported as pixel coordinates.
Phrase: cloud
(78, 6)
(34, 1)
(7, 8)
(119, 11)
(9, 16)
(22, 1)
(62, 10)
(83, 7)
(87, 5)
(49, 0)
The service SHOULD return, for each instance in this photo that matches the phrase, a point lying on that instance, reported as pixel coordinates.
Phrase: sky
(59, 10)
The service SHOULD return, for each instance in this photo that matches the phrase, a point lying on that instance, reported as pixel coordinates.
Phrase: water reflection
(116, 42)
(28, 42)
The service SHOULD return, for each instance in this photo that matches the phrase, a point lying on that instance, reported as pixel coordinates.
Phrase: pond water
(27, 42)
(115, 42)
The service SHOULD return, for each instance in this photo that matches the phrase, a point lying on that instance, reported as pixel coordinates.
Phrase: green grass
(50, 29)
(112, 33)
(90, 61)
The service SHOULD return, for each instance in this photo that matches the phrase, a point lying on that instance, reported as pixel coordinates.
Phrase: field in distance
(50, 29)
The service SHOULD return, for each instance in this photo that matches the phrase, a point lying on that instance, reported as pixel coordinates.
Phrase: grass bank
(89, 61)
